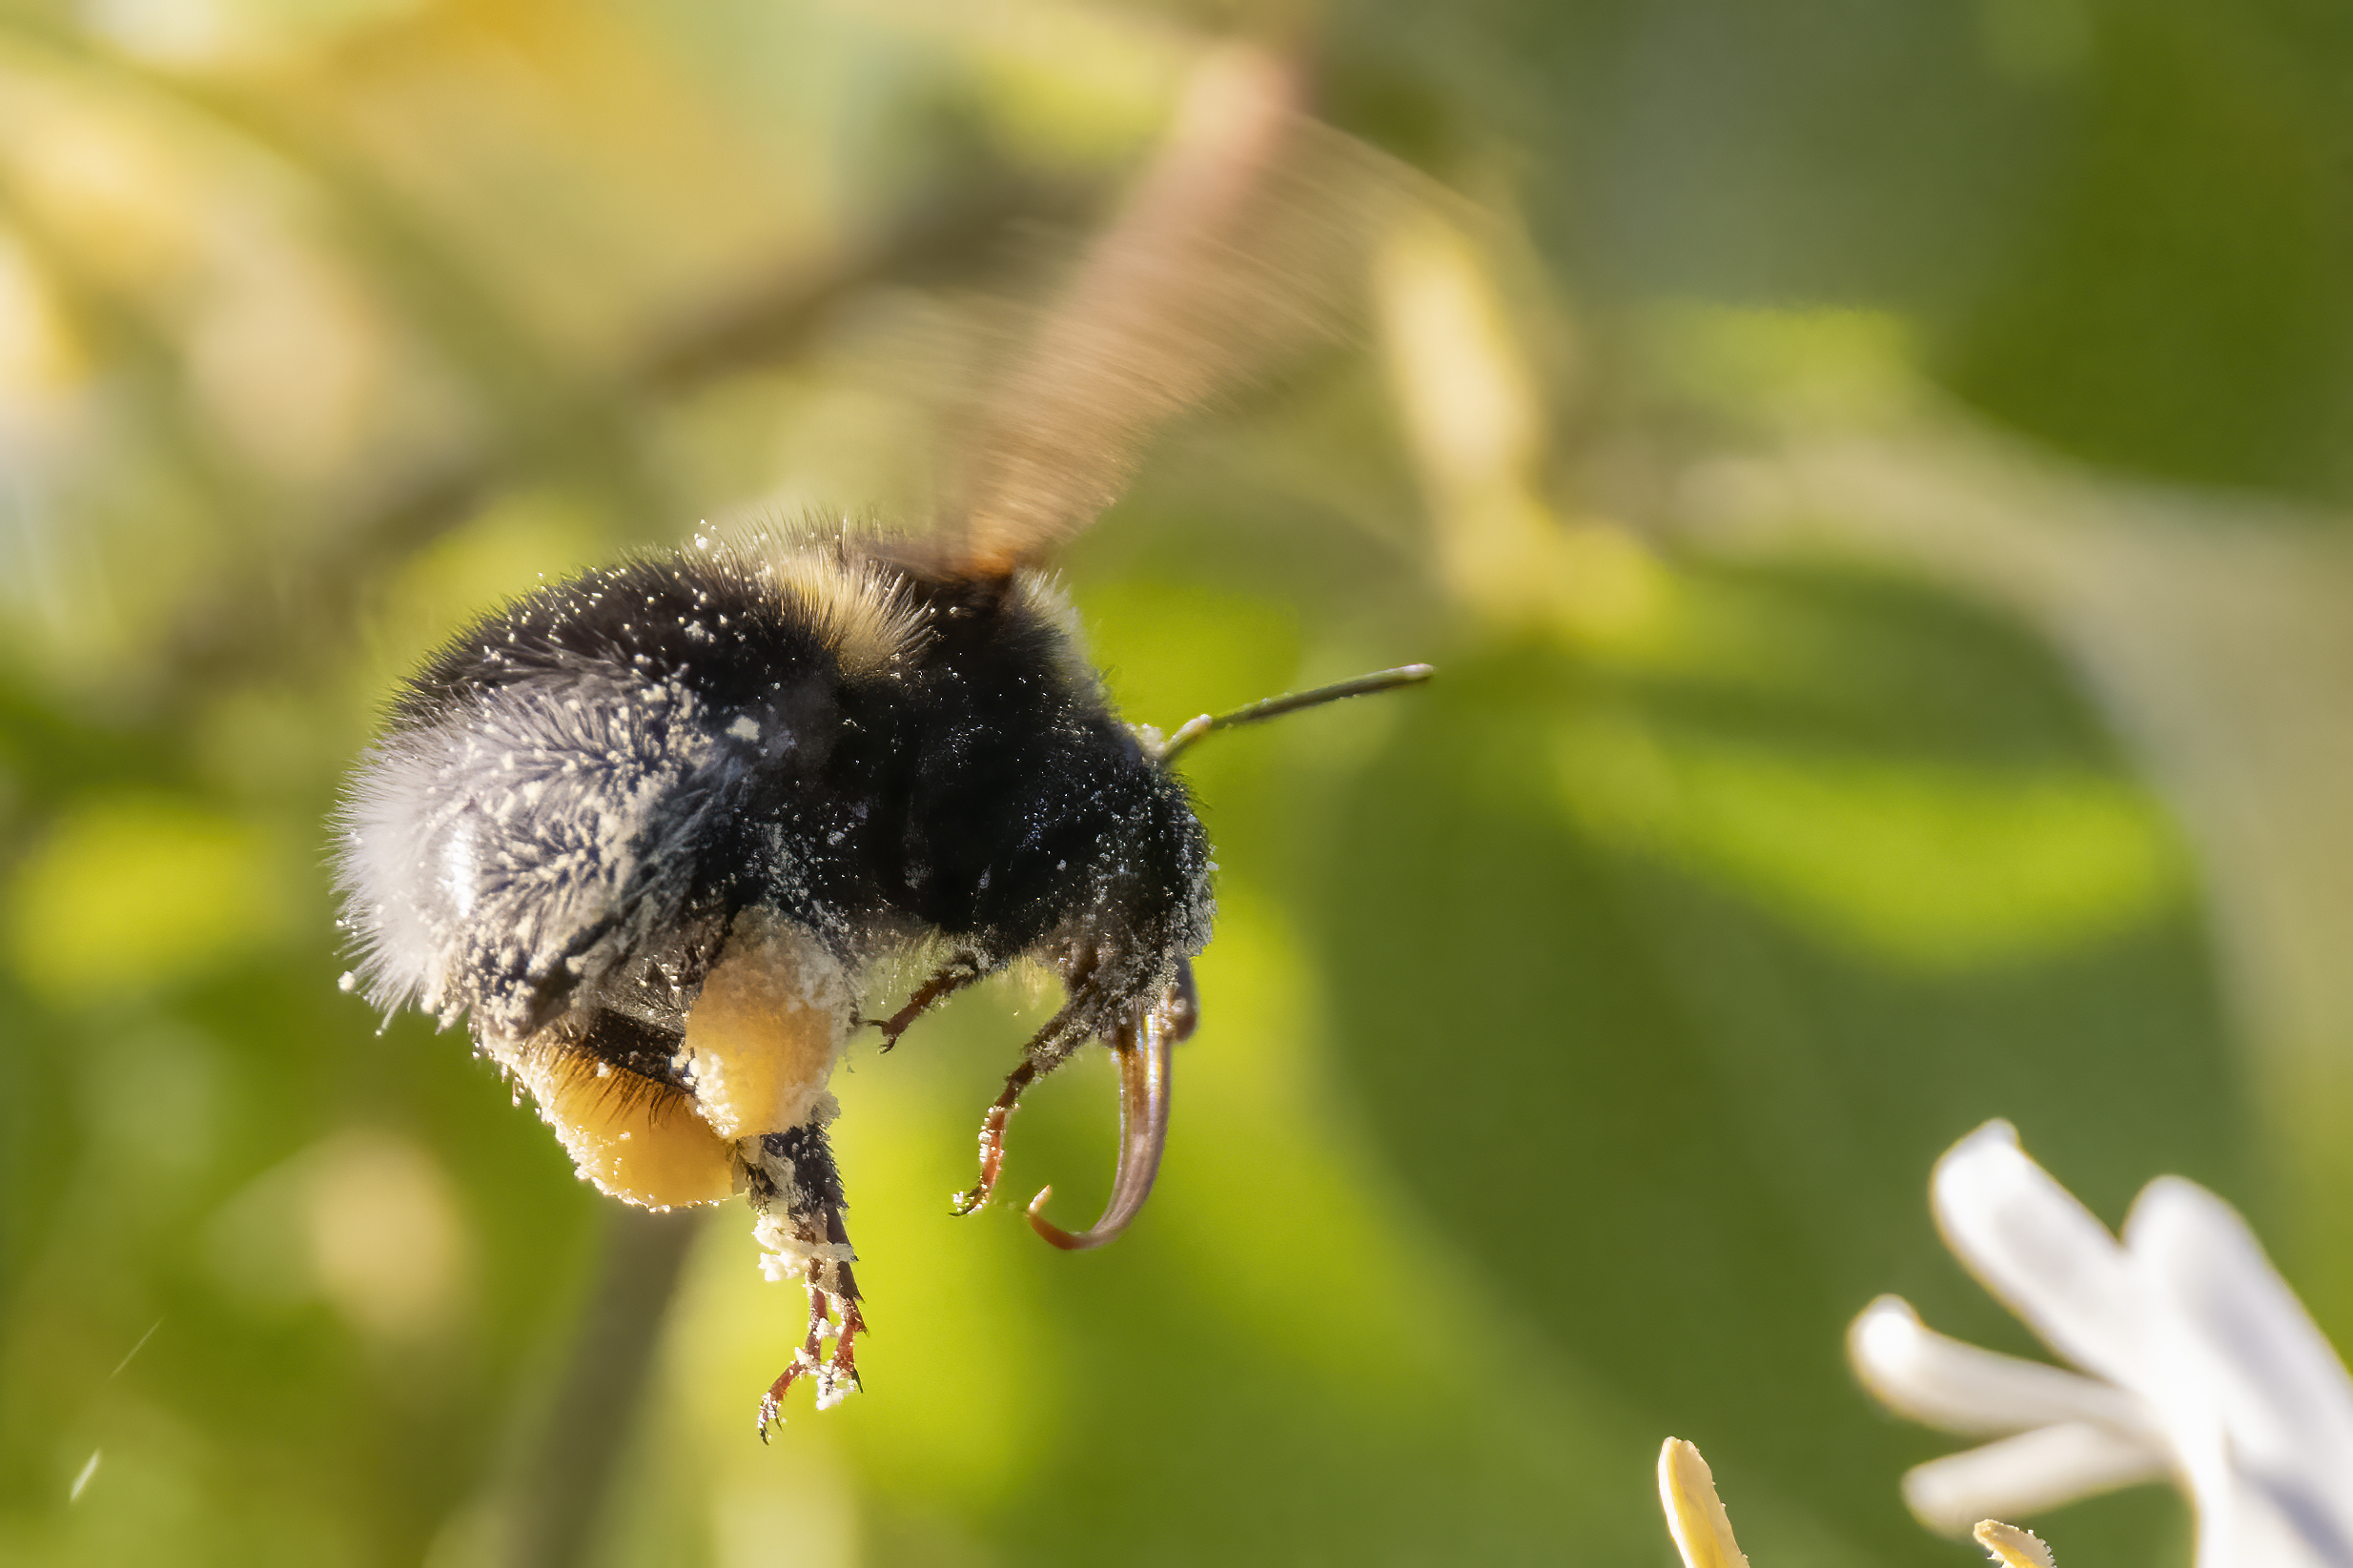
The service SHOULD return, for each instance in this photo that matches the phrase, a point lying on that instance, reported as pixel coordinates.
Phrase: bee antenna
(1271, 707)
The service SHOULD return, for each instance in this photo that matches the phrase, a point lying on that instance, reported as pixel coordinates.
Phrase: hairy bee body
(650, 830)
(653, 827)
(651, 749)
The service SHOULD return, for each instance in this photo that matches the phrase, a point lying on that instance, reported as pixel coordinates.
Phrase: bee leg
(836, 1375)
(1047, 1050)
(992, 1139)
(958, 972)
(1140, 1042)
(796, 1191)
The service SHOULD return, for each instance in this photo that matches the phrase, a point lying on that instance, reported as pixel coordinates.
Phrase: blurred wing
(1239, 245)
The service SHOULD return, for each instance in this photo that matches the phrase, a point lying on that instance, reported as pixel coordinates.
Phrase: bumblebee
(653, 831)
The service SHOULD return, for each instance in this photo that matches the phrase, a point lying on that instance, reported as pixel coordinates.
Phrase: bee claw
(836, 1374)
(771, 1412)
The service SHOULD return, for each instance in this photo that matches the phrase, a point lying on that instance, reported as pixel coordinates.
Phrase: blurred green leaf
(1580, 1030)
(1685, 1129)
(2122, 226)
(127, 894)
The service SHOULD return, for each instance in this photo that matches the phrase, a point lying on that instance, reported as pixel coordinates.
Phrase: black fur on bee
(800, 754)
(612, 767)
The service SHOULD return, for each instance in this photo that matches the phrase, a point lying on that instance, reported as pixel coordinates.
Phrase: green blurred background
(1872, 476)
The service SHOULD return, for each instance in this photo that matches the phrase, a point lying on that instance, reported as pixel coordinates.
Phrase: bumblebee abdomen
(551, 791)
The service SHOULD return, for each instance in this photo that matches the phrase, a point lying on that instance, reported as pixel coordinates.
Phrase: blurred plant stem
(559, 1489)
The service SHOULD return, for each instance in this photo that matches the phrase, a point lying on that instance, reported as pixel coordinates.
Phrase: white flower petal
(2025, 1475)
(2047, 1256)
(2270, 1381)
(2224, 1382)
(1942, 1382)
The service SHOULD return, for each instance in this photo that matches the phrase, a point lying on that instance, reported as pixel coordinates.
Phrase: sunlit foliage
(1844, 737)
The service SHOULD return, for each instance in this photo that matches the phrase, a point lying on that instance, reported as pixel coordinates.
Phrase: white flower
(2199, 1365)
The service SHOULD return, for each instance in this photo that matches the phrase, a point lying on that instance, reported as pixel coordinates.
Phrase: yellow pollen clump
(762, 1038)
(646, 1147)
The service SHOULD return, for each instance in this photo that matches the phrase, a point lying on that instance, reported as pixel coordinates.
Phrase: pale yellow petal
(1694, 1515)
(2009, 1544)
